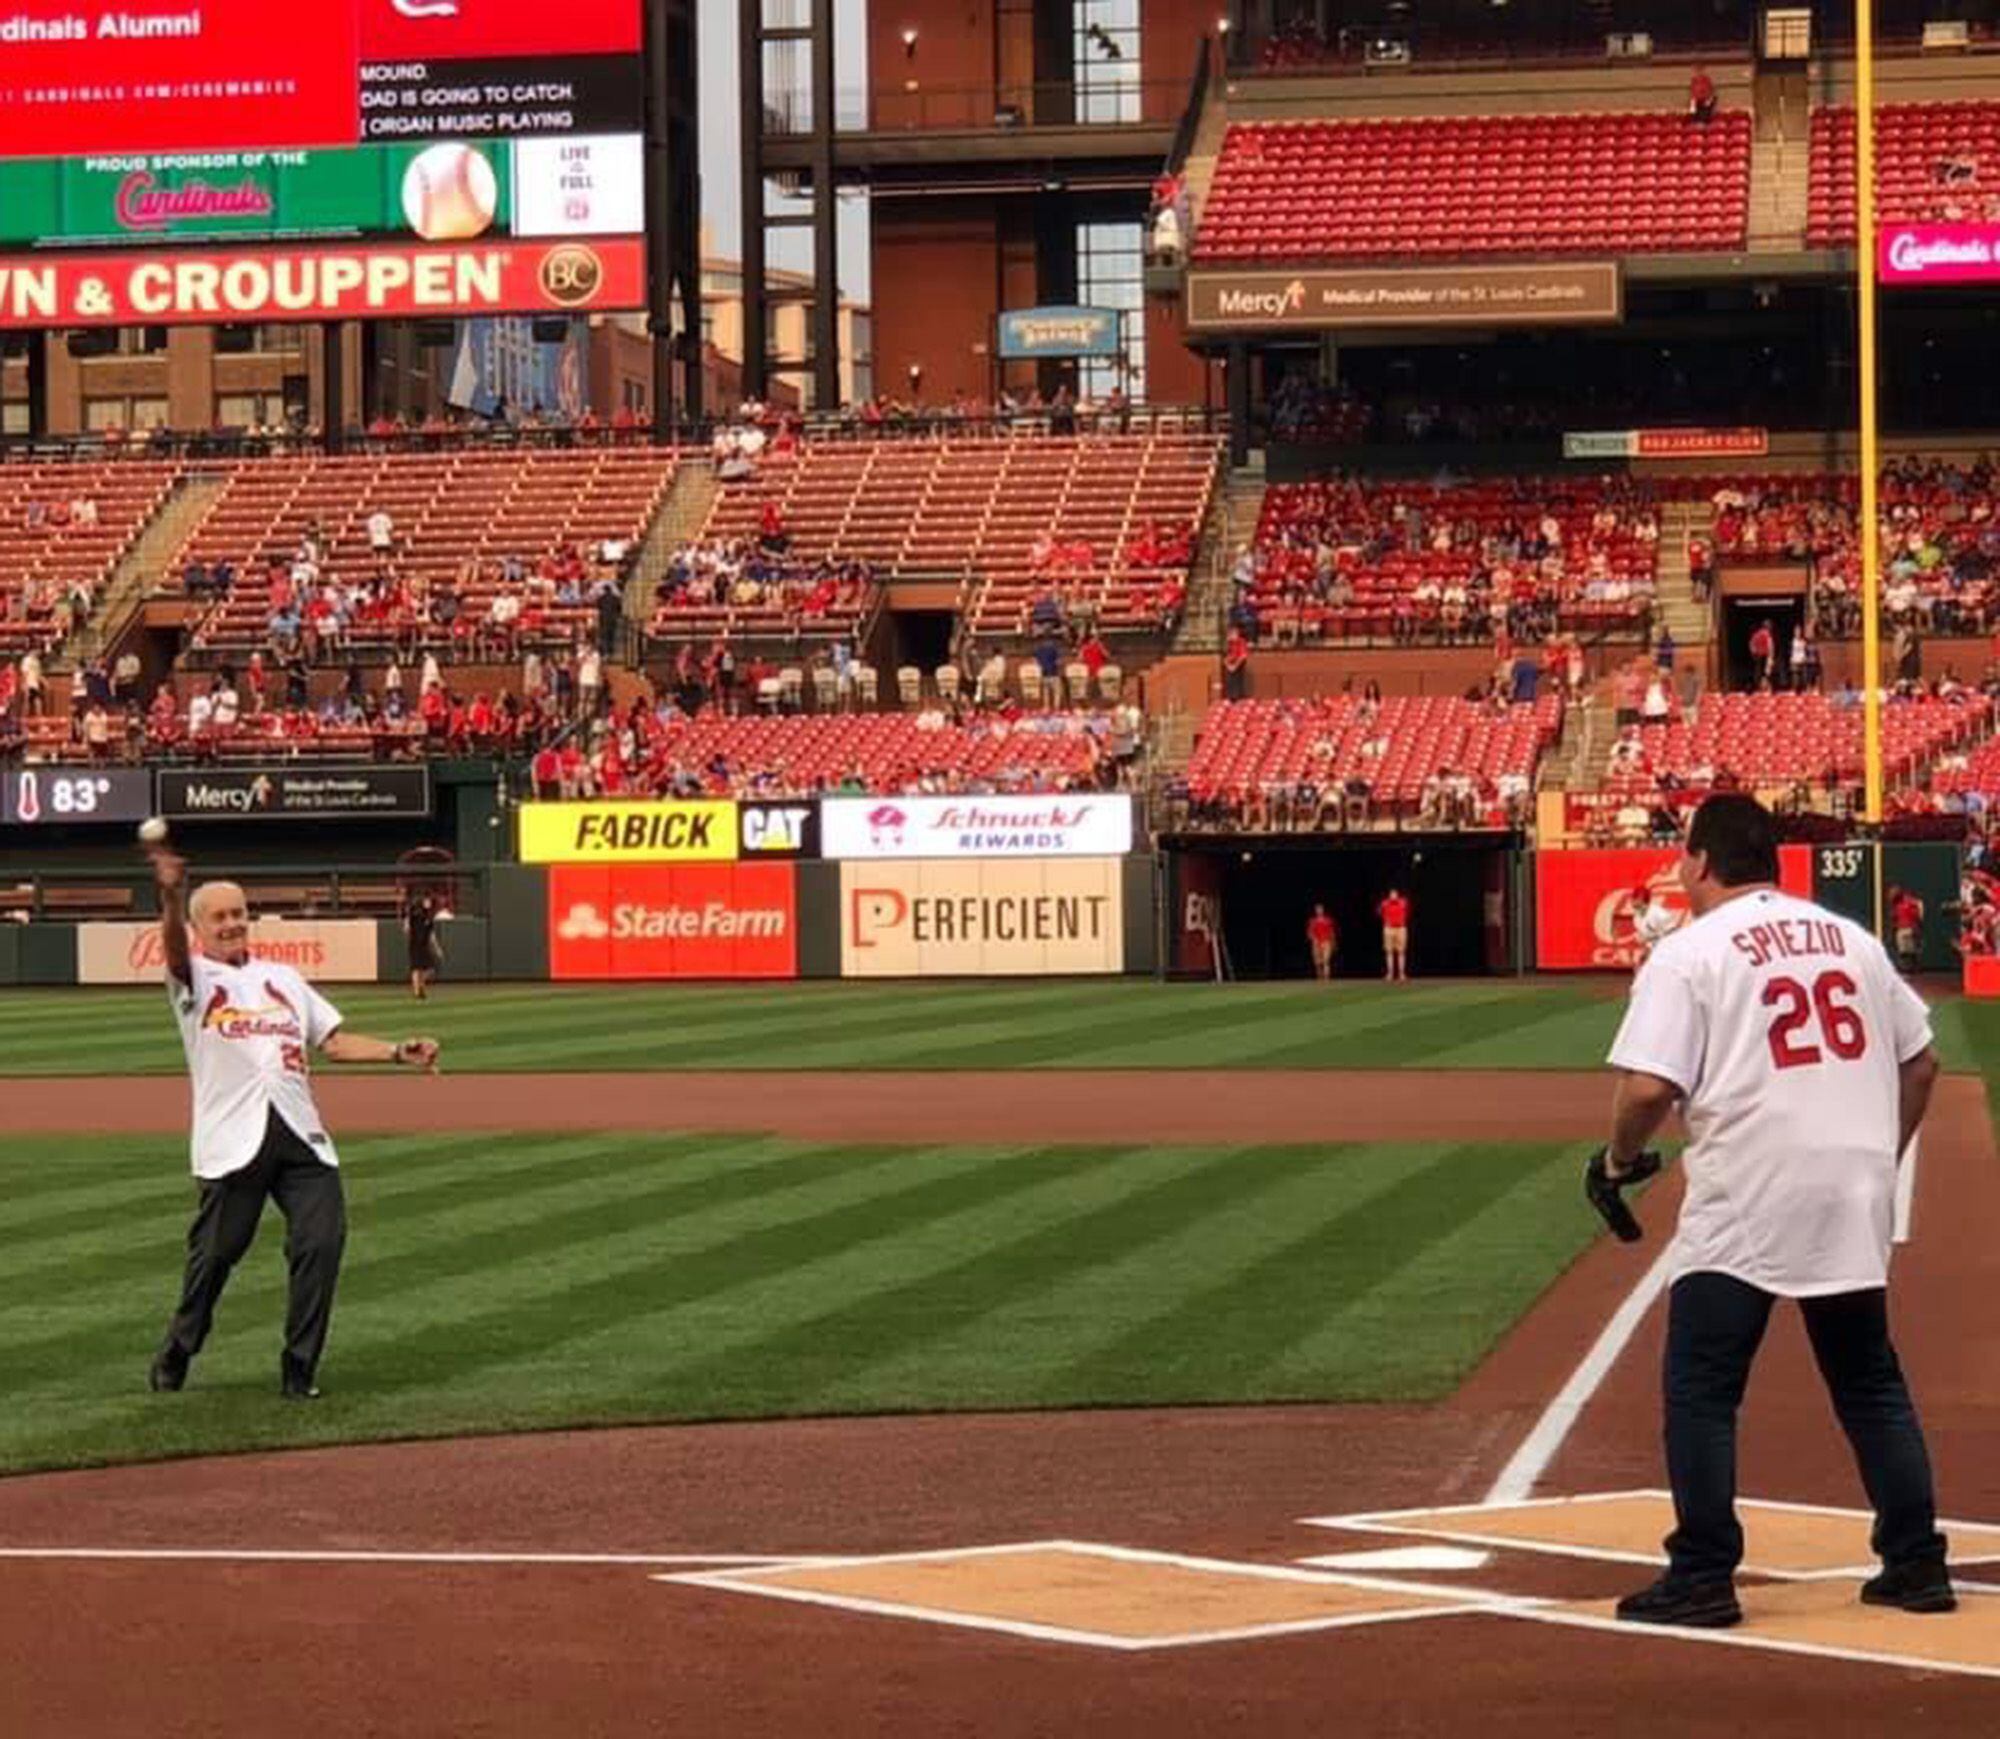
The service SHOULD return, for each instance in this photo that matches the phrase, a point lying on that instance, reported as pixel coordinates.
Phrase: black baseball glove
(1605, 1193)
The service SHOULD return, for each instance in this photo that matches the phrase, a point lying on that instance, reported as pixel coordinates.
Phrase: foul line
(1529, 1462)
(226, 1555)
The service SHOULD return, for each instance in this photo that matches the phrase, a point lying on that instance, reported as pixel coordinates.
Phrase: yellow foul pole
(1871, 538)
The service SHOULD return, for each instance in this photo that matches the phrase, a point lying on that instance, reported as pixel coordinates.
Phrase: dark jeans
(1715, 1324)
(308, 1194)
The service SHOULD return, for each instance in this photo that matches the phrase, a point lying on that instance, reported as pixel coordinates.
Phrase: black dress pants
(1715, 1324)
(308, 1194)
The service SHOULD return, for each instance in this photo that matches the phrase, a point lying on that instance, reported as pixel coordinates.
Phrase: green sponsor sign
(256, 195)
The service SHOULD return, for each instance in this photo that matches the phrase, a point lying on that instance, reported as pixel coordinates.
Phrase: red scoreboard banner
(357, 283)
(87, 77)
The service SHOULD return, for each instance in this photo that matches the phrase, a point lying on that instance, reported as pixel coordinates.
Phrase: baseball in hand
(450, 193)
(153, 831)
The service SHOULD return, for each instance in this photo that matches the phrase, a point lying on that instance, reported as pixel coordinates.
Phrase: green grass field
(592, 1279)
(1112, 1023)
(502, 1283)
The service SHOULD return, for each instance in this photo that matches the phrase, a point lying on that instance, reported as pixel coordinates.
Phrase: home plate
(1104, 1596)
(1781, 1539)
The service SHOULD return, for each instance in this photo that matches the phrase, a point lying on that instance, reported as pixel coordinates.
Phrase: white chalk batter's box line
(1456, 1602)
(1394, 1522)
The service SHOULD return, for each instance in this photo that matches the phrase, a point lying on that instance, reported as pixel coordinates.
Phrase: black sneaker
(1924, 1586)
(295, 1382)
(1696, 1604)
(169, 1372)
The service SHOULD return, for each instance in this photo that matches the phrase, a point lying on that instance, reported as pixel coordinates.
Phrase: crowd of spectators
(1520, 559)
(761, 576)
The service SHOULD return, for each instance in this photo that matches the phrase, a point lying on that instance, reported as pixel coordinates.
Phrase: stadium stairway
(150, 557)
(1228, 530)
(1780, 165)
(1676, 606)
(683, 517)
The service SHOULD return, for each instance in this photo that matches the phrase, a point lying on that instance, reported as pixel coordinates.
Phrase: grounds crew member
(1805, 1065)
(246, 1026)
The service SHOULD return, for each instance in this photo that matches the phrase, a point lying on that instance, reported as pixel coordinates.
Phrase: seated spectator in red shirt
(772, 537)
(1093, 655)
(1701, 96)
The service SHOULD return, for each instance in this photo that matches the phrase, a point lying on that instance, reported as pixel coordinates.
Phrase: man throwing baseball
(1805, 1066)
(247, 1027)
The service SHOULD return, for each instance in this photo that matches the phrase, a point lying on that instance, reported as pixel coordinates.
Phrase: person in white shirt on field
(1804, 1066)
(247, 1026)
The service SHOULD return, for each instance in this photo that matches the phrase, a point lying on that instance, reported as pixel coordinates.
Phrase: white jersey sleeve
(1664, 1031)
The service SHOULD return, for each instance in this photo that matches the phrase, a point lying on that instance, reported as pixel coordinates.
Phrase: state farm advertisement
(327, 951)
(678, 921)
(360, 283)
(981, 920)
(1587, 903)
(80, 75)
(1939, 253)
(1087, 825)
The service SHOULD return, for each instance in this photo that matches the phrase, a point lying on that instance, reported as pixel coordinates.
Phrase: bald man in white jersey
(247, 1027)
(1805, 1065)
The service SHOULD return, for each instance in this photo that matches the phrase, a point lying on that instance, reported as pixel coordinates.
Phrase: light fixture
(909, 42)
(1222, 27)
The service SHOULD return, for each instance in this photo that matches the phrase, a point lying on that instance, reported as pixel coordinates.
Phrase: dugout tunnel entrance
(1254, 895)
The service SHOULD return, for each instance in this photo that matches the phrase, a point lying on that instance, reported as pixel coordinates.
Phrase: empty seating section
(1766, 740)
(1459, 185)
(887, 752)
(972, 510)
(1251, 747)
(446, 508)
(1934, 163)
(1351, 559)
(48, 546)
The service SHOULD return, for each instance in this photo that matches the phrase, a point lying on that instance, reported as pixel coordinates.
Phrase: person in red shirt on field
(1320, 934)
(1394, 911)
(1906, 919)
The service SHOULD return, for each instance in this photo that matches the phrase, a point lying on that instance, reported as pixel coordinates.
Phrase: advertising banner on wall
(673, 921)
(1587, 903)
(239, 284)
(1666, 443)
(1938, 253)
(325, 950)
(779, 830)
(293, 793)
(1031, 333)
(621, 831)
(988, 919)
(1198, 914)
(455, 191)
(1086, 825)
(1553, 293)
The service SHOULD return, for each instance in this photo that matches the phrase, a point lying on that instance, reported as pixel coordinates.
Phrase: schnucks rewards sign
(1939, 253)
(1087, 825)
(279, 284)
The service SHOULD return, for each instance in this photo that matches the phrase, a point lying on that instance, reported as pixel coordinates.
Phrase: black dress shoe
(169, 1372)
(1704, 1604)
(1924, 1586)
(295, 1382)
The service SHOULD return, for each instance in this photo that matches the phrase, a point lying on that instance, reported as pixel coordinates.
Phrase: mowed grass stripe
(1192, 1350)
(1488, 1268)
(1011, 1319)
(647, 1273)
(551, 1171)
(956, 1269)
(1215, 1044)
(699, 1347)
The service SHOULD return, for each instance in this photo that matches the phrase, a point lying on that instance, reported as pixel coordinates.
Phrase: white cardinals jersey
(247, 1031)
(1784, 1027)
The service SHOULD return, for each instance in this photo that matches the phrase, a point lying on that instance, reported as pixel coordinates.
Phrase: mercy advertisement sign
(357, 283)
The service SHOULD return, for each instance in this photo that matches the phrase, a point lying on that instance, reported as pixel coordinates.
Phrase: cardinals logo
(280, 1021)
